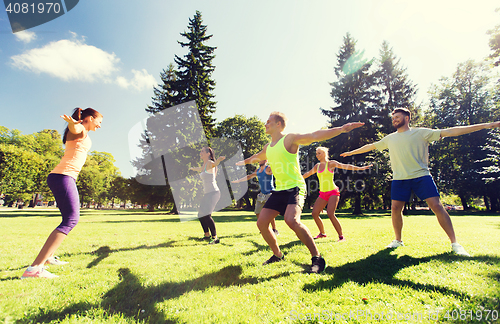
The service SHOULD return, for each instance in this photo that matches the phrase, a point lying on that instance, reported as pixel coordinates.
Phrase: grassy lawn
(133, 266)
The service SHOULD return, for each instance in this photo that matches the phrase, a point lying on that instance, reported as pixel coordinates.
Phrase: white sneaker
(55, 261)
(458, 249)
(395, 244)
(37, 272)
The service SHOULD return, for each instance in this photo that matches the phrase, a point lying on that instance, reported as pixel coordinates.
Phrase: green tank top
(325, 177)
(285, 166)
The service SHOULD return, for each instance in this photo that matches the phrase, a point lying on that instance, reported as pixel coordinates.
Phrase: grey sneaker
(54, 260)
(395, 244)
(458, 249)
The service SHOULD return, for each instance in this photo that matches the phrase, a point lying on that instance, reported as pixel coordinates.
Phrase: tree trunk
(174, 210)
(464, 202)
(486, 203)
(493, 202)
(248, 203)
(357, 204)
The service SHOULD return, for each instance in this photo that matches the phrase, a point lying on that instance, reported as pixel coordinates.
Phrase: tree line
(26, 161)
(364, 90)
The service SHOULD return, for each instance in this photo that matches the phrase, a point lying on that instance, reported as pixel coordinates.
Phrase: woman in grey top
(211, 192)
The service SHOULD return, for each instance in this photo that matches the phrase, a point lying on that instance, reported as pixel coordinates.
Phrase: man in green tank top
(288, 198)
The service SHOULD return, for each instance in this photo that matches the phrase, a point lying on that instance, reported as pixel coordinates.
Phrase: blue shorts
(424, 187)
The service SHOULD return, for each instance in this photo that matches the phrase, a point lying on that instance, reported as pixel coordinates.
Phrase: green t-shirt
(409, 151)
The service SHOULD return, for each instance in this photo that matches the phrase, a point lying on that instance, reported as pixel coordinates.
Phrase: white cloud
(25, 36)
(69, 60)
(74, 60)
(141, 80)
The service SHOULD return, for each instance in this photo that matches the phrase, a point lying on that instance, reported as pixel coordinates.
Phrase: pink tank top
(75, 154)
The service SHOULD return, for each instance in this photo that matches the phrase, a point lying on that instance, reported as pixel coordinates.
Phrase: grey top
(209, 184)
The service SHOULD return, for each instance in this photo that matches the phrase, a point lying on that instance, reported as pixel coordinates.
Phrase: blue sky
(271, 55)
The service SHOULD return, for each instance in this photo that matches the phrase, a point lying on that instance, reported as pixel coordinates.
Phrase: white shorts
(261, 200)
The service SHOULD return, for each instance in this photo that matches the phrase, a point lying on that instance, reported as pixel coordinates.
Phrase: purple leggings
(64, 189)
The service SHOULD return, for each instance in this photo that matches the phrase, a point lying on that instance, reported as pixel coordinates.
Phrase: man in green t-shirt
(288, 197)
(409, 154)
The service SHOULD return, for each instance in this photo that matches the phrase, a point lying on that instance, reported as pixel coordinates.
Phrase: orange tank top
(75, 154)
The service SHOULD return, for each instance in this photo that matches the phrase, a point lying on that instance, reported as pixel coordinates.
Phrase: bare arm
(310, 172)
(461, 130)
(211, 165)
(197, 169)
(361, 150)
(245, 178)
(324, 134)
(254, 158)
(334, 164)
(74, 127)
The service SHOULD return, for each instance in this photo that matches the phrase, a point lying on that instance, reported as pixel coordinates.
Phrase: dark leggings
(207, 206)
(64, 189)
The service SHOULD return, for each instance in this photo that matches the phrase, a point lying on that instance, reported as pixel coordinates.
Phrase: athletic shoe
(37, 272)
(54, 260)
(458, 249)
(274, 259)
(276, 232)
(343, 239)
(395, 244)
(318, 264)
(320, 235)
(214, 241)
(206, 238)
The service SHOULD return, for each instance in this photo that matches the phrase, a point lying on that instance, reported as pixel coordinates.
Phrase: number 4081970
(40, 8)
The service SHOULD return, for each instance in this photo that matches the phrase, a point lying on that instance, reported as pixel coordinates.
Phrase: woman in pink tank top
(62, 183)
(329, 193)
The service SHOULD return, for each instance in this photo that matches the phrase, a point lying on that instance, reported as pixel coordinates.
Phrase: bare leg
(443, 217)
(397, 218)
(292, 219)
(318, 207)
(265, 217)
(332, 206)
(273, 222)
(53, 242)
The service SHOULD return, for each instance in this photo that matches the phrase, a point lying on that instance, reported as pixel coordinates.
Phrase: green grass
(134, 266)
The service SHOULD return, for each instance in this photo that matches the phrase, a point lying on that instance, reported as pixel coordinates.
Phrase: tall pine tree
(357, 99)
(195, 72)
(166, 94)
(192, 79)
(398, 90)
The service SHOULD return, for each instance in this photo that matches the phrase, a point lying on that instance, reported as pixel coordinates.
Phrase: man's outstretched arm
(324, 134)
(361, 150)
(462, 130)
(254, 158)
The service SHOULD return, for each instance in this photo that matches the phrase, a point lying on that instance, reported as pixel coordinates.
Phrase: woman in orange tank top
(62, 183)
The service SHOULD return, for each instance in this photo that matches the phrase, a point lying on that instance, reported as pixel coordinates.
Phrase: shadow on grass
(260, 247)
(130, 299)
(104, 251)
(175, 219)
(382, 267)
(14, 214)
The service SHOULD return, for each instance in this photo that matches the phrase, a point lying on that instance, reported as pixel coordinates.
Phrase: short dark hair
(404, 111)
